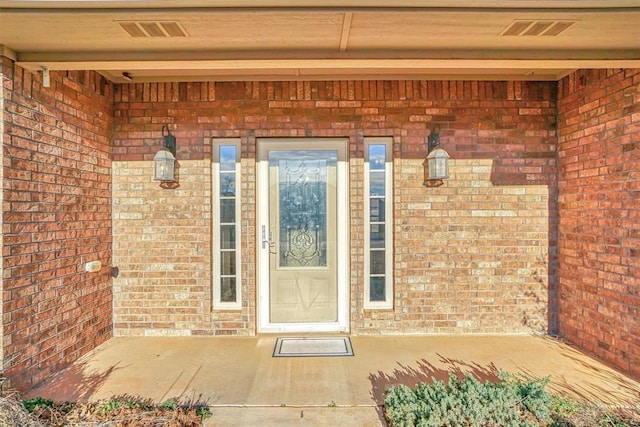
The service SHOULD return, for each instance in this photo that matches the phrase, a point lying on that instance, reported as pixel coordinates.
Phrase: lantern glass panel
(164, 166)
(438, 164)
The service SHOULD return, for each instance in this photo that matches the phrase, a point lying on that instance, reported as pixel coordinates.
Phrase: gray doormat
(313, 347)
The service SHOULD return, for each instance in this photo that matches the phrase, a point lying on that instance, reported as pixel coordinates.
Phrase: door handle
(267, 242)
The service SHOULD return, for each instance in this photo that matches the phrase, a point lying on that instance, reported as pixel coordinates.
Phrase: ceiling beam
(381, 65)
(234, 64)
(346, 29)
(8, 53)
(630, 56)
(353, 74)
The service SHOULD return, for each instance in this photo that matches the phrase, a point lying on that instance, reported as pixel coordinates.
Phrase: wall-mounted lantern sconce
(165, 160)
(436, 166)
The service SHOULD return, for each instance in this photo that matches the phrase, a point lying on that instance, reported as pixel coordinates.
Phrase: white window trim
(215, 225)
(388, 225)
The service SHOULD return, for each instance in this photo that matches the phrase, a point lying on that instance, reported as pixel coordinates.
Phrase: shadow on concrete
(77, 383)
(594, 389)
(427, 372)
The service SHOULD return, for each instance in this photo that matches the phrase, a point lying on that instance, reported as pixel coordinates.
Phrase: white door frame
(264, 145)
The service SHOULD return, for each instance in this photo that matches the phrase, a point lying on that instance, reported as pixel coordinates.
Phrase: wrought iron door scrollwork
(303, 213)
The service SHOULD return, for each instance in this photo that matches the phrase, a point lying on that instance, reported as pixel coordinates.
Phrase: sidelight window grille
(378, 208)
(226, 224)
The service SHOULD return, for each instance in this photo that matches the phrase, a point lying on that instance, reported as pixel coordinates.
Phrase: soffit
(290, 41)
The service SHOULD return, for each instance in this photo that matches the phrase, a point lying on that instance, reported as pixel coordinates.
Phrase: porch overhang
(198, 67)
(145, 41)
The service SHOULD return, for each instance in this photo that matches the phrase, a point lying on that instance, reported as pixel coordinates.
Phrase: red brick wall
(57, 216)
(57, 202)
(476, 255)
(599, 210)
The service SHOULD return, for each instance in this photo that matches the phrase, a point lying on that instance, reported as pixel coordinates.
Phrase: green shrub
(170, 404)
(203, 412)
(38, 402)
(517, 402)
(116, 403)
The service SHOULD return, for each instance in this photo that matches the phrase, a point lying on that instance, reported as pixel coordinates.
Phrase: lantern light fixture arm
(434, 139)
(168, 140)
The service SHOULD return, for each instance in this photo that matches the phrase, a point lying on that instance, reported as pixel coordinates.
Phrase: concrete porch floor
(245, 385)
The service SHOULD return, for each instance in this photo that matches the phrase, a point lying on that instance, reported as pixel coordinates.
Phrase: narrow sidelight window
(226, 224)
(378, 210)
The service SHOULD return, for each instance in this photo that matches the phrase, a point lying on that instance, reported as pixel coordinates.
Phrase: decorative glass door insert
(302, 224)
(303, 210)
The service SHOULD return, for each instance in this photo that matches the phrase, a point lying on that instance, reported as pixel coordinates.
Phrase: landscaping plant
(510, 402)
(121, 411)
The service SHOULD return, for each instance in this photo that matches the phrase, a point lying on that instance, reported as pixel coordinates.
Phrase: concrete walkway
(246, 386)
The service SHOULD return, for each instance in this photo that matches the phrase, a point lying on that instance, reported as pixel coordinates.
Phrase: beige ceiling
(294, 39)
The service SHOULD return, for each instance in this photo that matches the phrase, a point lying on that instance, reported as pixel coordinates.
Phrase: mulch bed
(130, 412)
(589, 415)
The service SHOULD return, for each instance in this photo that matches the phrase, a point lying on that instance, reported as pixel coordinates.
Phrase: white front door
(303, 254)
